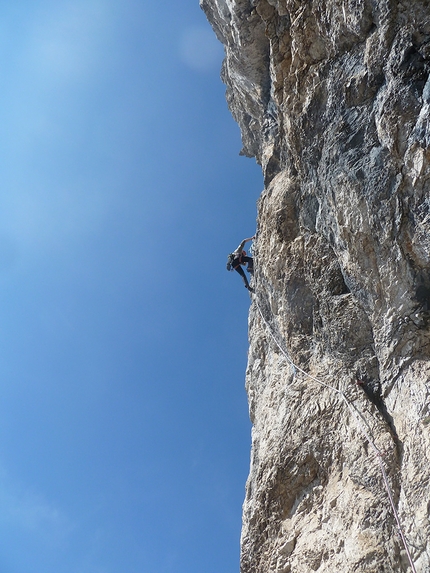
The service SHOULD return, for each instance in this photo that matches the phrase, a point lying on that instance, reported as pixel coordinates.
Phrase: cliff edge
(333, 101)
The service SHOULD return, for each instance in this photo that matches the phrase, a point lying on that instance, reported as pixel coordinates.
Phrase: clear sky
(124, 430)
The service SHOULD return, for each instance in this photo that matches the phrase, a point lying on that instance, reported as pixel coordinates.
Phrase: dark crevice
(421, 312)
(338, 285)
(334, 276)
(422, 296)
(372, 389)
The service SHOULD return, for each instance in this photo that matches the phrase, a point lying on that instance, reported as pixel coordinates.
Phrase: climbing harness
(360, 422)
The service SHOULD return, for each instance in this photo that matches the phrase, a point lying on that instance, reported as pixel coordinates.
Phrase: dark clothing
(236, 265)
(243, 275)
(240, 258)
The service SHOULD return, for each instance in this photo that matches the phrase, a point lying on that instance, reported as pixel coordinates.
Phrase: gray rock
(333, 100)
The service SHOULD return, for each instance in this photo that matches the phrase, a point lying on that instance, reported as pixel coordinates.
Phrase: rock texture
(333, 100)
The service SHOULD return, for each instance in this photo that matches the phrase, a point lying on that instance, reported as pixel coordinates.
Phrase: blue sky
(124, 430)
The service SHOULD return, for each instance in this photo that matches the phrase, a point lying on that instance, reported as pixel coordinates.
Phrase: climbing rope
(360, 422)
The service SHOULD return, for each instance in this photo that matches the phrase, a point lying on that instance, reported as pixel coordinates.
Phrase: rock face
(333, 100)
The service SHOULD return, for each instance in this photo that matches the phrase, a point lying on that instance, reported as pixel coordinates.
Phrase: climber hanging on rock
(238, 258)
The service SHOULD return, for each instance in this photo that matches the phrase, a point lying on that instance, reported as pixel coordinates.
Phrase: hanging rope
(358, 418)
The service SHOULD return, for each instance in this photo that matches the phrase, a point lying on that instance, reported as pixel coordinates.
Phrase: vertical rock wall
(333, 100)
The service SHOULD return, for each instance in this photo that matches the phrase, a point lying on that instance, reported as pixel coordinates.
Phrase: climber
(238, 258)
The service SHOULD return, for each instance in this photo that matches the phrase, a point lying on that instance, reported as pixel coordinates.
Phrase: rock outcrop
(333, 100)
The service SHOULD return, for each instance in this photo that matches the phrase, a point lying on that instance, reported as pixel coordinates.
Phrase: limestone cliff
(333, 100)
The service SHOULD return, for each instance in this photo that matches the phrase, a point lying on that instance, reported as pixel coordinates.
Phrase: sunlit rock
(333, 100)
